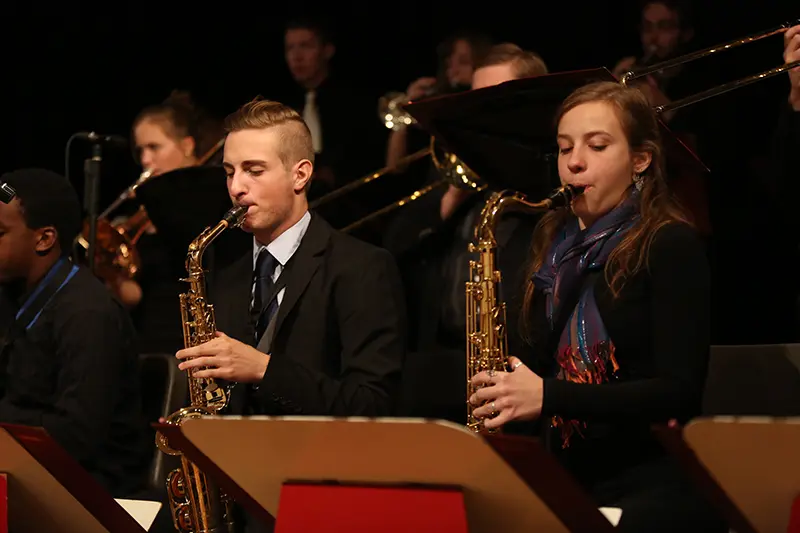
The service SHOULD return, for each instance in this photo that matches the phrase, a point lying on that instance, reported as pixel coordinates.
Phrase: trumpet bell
(390, 111)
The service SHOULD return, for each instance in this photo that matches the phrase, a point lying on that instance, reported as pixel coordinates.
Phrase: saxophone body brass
(487, 336)
(196, 503)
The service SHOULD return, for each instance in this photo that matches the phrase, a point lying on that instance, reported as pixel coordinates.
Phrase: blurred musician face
(307, 57)
(594, 152)
(259, 179)
(492, 75)
(459, 64)
(661, 31)
(161, 152)
(18, 243)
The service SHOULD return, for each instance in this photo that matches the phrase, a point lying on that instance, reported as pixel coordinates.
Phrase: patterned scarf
(585, 353)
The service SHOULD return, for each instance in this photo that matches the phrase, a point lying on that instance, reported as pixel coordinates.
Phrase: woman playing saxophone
(616, 313)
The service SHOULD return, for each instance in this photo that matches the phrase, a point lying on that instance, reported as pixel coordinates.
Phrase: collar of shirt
(283, 247)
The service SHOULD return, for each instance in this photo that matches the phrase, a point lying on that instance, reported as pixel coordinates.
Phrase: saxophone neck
(512, 201)
(194, 258)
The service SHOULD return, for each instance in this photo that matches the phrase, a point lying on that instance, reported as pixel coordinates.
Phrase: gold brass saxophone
(487, 337)
(197, 505)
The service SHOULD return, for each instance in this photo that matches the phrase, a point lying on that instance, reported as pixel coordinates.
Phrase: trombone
(450, 167)
(455, 172)
(720, 89)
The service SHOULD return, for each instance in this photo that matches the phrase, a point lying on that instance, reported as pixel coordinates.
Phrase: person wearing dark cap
(67, 349)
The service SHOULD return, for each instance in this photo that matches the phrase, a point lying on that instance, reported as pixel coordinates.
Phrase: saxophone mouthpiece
(563, 196)
(235, 216)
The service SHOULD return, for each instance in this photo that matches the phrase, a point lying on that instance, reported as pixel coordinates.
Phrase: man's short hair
(524, 64)
(319, 26)
(295, 137)
(48, 199)
(682, 8)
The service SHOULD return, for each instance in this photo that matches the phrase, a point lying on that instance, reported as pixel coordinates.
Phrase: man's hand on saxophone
(515, 395)
(225, 358)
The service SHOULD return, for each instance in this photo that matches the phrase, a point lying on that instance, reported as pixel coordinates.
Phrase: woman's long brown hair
(656, 206)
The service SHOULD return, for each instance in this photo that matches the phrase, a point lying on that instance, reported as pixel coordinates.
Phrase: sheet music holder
(748, 467)
(183, 202)
(260, 454)
(49, 491)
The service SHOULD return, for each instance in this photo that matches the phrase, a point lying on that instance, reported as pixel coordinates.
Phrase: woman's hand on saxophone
(507, 396)
(225, 358)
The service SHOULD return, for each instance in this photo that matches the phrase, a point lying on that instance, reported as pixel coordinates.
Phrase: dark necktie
(265, 301)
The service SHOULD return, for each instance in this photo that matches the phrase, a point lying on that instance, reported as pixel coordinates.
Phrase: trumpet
(115, 250)
(116, 243)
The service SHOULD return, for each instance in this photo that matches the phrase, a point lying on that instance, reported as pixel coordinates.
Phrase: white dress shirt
(282, 249)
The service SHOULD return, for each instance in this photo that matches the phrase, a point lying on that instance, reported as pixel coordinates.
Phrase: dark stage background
(72, 67)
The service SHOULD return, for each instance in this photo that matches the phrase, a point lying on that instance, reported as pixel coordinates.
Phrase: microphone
(98, 137)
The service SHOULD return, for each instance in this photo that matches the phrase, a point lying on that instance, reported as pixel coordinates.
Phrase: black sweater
(660, 327)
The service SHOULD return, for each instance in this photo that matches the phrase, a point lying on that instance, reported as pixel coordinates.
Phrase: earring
(637, 181)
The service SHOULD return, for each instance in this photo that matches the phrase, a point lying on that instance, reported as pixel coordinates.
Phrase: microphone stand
(91, 187)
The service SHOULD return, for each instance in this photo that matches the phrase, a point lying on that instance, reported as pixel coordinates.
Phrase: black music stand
(326, 474)
(506, 133)
(182, 203)
(49, 491)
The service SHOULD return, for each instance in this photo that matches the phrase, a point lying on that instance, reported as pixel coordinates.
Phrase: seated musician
(168, 136)
(617, 312)
(458, 55)
(310, 321)
(430, 237)
(68, 361)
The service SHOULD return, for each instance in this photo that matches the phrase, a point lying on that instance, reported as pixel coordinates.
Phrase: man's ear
(46, 240)
(302, 174)
(641, 161)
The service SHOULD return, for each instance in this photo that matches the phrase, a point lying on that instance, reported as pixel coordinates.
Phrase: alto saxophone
(487, 338)
(197, 505)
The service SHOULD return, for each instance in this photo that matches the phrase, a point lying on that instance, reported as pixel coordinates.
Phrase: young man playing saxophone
(311, 321)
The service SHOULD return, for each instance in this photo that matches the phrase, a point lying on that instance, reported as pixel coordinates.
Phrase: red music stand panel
(794, 518)
(359, 509)
(3, 503)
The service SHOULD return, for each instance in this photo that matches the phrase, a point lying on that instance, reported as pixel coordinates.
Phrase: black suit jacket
(340, 330)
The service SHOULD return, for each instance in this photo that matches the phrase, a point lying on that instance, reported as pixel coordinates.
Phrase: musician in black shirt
(617, 314)
(68, 361)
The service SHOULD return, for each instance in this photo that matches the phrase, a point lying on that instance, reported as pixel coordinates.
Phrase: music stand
(49, 491)
(506, 133)
(748, 467)
(183, 202)
(299, 469)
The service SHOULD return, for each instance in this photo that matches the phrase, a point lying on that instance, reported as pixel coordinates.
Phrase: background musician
(457, 56)
(168, 136)
(430, 237)
(338, 110)
(311, 321)
(68, 360)
(666, 31)
(632, 277)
